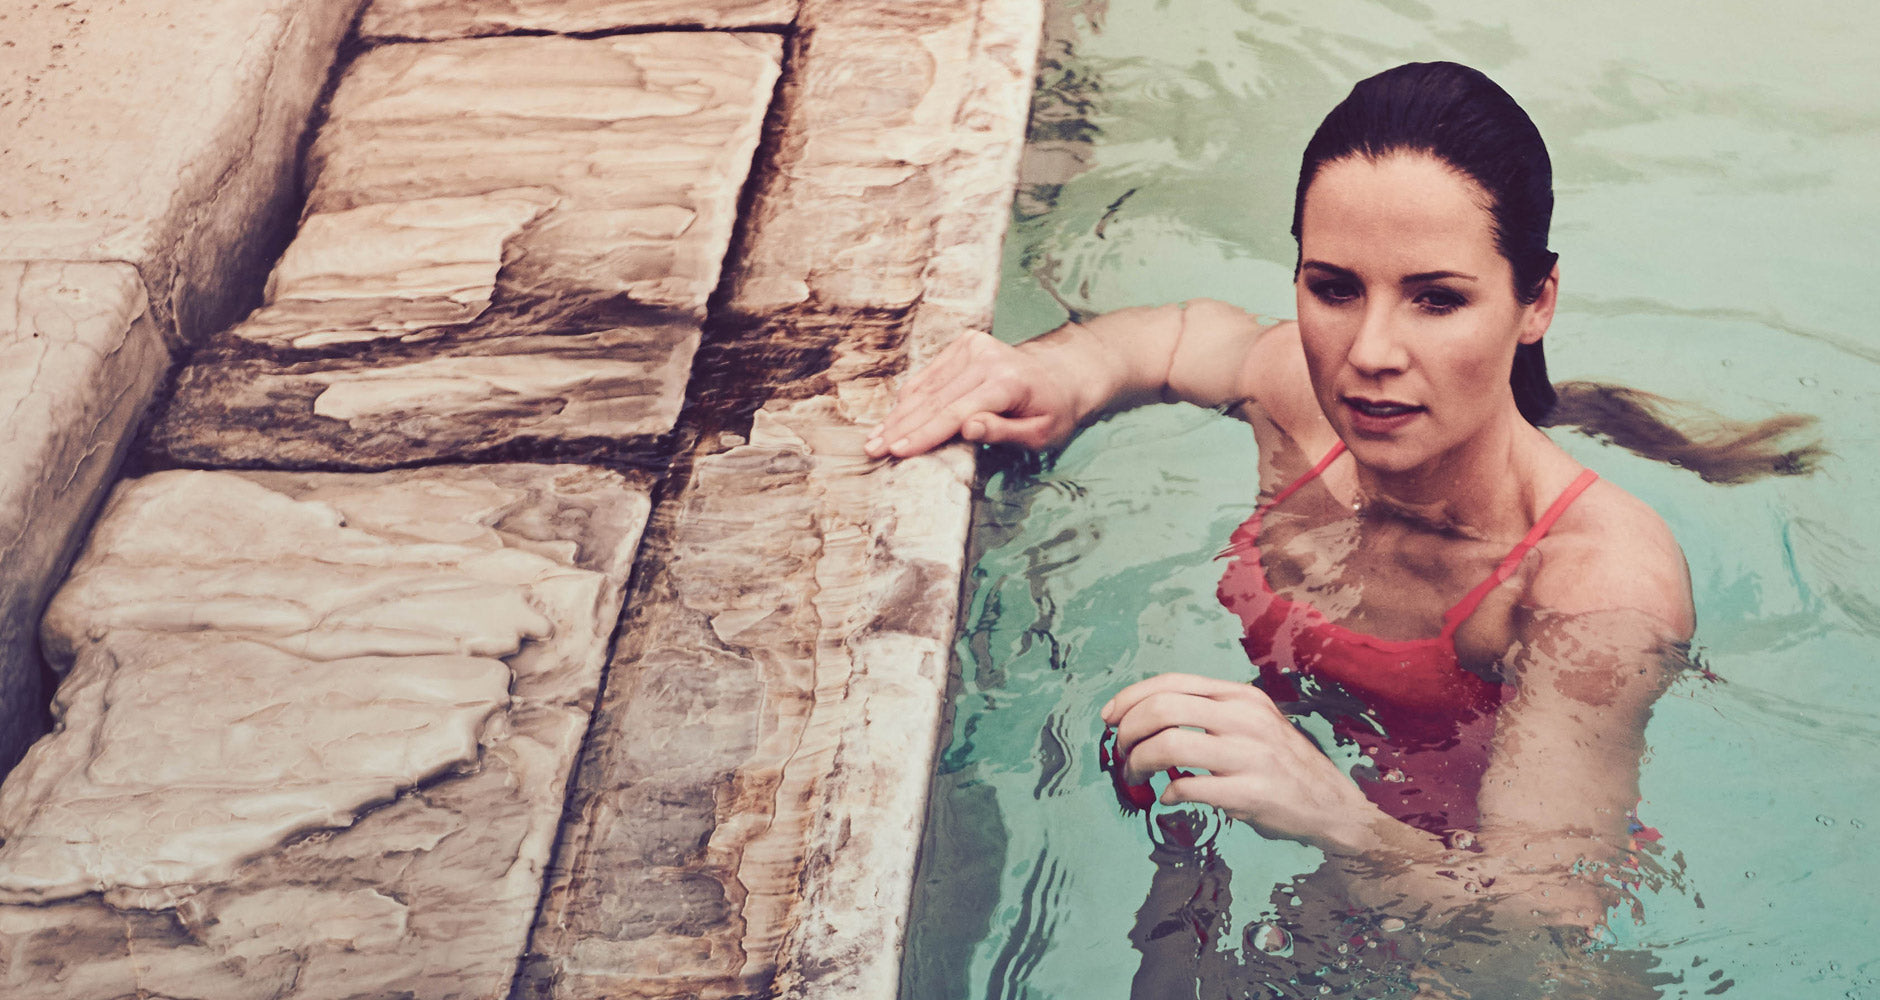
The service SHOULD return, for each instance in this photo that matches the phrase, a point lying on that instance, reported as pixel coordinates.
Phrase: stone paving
(503, 606)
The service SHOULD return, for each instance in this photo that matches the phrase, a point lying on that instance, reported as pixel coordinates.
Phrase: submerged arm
(1514, 908)
(1038, 393)
(1555, 802)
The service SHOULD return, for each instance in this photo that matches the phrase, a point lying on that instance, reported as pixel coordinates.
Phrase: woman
(1485, 619)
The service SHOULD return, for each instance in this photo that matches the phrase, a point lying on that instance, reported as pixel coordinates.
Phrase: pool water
(1719, 227)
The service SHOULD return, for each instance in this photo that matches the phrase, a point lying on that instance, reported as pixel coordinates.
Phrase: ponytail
(1718, 449)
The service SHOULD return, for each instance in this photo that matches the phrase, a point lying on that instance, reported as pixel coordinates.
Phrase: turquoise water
(1719, 227)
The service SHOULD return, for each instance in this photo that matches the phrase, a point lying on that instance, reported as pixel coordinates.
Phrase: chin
(1389, 455)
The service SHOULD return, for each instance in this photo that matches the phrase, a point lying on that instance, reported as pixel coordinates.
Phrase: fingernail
(1105, 710)
(872, 444)
(898, 445)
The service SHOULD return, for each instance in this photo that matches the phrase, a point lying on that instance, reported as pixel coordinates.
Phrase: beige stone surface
(897, 157)
(315, 732)
(134, 139)
(645, 139)
(394, 406)
(439, 19)
(141, 132)
(790, 658)
(79, 359)
(802, 617)
(509, 244)
(398, 270)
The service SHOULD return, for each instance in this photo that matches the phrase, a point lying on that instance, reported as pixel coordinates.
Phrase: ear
(1536, 317)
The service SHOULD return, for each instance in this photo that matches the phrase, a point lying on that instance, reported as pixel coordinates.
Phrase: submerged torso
(1424, 720)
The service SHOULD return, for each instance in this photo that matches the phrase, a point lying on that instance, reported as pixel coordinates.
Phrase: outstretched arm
(1038, 393)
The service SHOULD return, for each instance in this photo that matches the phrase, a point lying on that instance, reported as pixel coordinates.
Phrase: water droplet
(1825, 820)
(1726, 362)
(1856, 824)
(1749, 874)
(1809, 381)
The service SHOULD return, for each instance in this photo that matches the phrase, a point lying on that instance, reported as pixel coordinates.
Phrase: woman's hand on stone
(1260, 770)
(985, 391)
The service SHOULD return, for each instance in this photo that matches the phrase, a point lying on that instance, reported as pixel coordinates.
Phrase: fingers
(937, 426)
(924, 394)
(1186, 749)
(1179, 711)
(983, 390)
(1203, 687)
(1033, 432)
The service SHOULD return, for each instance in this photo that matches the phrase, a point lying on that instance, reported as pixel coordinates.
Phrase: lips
(1378, 416)
(1379, 408)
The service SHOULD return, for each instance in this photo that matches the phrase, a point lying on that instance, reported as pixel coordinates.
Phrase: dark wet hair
(1462, 118)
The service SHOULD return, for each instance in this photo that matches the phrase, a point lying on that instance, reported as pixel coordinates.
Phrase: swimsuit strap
(1466, 607)
(1337, 450)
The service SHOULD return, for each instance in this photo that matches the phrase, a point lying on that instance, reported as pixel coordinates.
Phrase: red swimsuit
(1424, 721)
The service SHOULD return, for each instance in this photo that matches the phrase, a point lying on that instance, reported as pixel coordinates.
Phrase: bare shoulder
(1272, 373)
(1226, 354)
(1612, 552)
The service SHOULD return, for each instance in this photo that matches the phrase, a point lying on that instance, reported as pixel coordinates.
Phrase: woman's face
(1406, 308)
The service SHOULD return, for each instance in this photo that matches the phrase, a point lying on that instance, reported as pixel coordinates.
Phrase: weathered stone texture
(137, 131)
(645, 139)
(398, 405)
(440, 19)
(897, 157)
(133, 140)
(509, 241)
(315, 730)
(802, 620)
(793, 650)
(79, 359)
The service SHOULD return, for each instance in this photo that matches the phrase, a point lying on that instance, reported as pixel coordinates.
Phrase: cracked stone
(509, 242)
(810, 590)
(395, 406)
(403, 666)
(645, 139)
(168, 142)
(897, 161)
(440, 19)
(79, 361)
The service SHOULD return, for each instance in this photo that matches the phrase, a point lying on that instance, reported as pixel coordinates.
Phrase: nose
(1379, 347)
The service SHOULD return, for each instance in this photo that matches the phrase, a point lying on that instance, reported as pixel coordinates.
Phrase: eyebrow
(1408, 279)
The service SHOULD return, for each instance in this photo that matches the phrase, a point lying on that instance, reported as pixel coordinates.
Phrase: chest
(1385, 577)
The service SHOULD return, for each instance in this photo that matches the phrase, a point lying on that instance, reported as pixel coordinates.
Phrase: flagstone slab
(644, 140)
(170, 140)
(396, 405)
(761, 760)
(79, 360)
(509, 242)
(394, 20)
(897, 156)
(801, 599)
(315, 730)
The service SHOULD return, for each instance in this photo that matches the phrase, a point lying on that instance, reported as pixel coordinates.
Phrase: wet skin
(1408, 321)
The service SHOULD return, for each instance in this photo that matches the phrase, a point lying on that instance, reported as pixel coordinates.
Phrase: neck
(1475, 489)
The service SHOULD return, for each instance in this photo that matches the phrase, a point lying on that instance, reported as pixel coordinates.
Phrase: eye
(1440, 301)
(1333, 291)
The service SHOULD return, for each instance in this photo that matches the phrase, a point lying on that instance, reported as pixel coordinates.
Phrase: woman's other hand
(1261, 770)
(985, 391)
